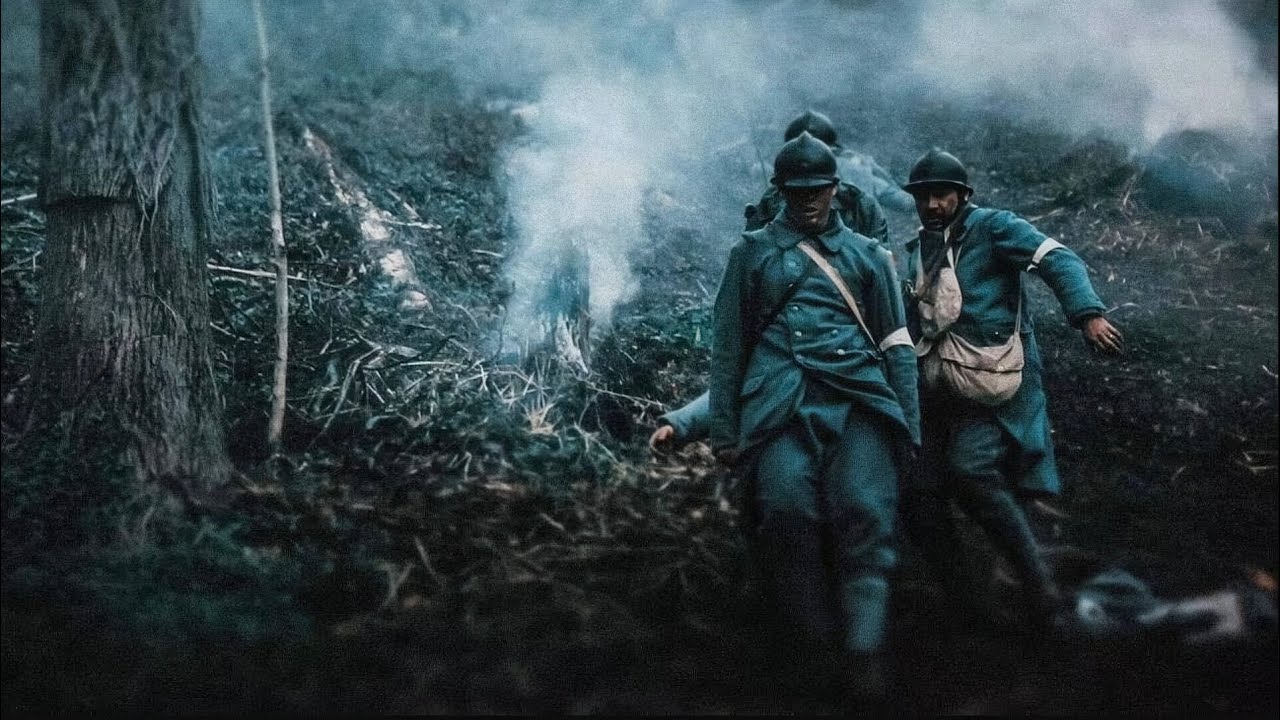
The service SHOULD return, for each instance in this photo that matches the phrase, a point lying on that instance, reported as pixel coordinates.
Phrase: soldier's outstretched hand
(1103, 336)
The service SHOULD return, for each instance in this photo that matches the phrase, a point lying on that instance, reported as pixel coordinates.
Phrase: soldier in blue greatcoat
(988, 459)
(858, 210)
(817, 407)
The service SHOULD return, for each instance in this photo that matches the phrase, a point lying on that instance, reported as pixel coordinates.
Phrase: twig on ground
(19, 263)
(266, 275)
(20, 198)
(394, 582)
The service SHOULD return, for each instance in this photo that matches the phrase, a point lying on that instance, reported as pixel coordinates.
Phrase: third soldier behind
(858, 209)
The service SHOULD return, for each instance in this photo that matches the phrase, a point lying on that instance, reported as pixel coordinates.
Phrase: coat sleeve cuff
(1079, 319)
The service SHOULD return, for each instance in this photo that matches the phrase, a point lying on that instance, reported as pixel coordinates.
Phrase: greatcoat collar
(787, 236)
(961, 223)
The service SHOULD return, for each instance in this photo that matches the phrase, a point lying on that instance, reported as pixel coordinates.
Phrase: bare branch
(275, 429)
(20, 198)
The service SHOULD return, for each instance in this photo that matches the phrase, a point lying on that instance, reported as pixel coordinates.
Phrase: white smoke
(1133, 69)
(625, 100)
(636, 96)
(627, 111)
(577, 182)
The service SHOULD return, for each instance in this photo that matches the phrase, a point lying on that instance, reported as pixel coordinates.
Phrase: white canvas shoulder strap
(836, 280)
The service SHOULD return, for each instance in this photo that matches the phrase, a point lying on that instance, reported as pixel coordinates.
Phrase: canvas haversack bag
(988, 375)
(939, 298)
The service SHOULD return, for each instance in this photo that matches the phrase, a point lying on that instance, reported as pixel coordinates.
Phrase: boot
(932, 529)
(865, 682)
(791, 553)
(1004, 522)
(864, 605)
(1043, 605)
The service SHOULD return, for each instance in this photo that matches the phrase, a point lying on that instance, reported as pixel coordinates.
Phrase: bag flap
(992, 358)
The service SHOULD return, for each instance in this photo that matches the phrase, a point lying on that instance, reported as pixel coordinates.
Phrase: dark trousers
(965, 460)
(830, 468)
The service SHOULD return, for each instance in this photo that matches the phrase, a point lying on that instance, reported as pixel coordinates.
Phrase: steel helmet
(937, 167)
(816, 124)
(804, 162)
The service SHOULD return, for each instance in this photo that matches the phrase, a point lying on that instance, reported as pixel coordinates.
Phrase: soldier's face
(809, 208)
(937, 205)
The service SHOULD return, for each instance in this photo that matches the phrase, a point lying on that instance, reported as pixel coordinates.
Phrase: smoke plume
(622, 98)
(627, 100)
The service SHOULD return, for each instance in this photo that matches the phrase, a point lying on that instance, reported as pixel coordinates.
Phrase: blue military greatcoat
(859, 211)
(993, 250)
(773, 330)
(819, 409)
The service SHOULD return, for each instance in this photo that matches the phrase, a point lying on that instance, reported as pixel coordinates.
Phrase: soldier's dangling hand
(662, 439)
(1103, 336)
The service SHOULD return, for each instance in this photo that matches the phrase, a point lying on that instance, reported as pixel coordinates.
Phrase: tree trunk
(123, 334)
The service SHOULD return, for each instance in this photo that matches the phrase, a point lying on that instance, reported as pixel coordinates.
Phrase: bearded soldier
(987, 444)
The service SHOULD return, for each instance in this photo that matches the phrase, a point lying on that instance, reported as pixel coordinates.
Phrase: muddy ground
(453, 532)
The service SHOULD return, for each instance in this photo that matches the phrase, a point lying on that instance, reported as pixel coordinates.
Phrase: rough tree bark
(123, 331)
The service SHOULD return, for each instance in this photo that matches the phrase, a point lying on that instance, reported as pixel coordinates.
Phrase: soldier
(813, 392)
(984, 448)
(858, 210)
